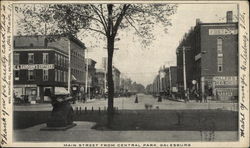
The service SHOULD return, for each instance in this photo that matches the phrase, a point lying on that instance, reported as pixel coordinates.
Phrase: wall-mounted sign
(34, 66)
(225, 80)
(198, 56)
(226, 31)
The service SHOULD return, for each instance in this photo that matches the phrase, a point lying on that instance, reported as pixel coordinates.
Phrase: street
(127, 103)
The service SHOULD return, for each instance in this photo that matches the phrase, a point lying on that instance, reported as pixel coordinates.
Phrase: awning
(61, 91)
(73, 78)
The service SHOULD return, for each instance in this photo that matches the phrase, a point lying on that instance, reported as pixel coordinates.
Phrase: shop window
(30, 58)
(31, 75)
(16, 76)
(45, 58)
(16, 58)
(45, 74)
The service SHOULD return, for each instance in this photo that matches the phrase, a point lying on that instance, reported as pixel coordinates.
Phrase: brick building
(211, 59)
(41, 66)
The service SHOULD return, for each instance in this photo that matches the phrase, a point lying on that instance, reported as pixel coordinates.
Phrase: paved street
(128, 103)
(83, 132)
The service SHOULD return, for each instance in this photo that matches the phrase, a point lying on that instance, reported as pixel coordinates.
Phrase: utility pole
(184, 70)
(170, 85)
(69, 67)
(87, 69)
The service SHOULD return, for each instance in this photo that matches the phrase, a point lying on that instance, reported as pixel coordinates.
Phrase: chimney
(198, 21)
(229, 16)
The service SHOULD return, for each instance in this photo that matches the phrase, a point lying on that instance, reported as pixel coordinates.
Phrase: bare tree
(104, 19)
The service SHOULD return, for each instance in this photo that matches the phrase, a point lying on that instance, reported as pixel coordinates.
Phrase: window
(45, 74)
(45, 58)
(59, 75)
(31, 75)
(56, 61)
(220, 68)
(66, 76)
(62, 76)
(220, 60)
(17, 73)
(16, 58)
(219, 45)
(55, 74)
(30, 58)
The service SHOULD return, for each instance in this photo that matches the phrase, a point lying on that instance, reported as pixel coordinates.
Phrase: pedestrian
(159, 98)
(136, 99)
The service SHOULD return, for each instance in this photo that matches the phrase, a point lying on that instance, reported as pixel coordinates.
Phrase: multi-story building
(170, 79)
(91, 77)
(207, 58)
(100, 75)
(41, 66)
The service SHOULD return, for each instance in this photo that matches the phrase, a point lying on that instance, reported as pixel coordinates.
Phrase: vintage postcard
(124, 73)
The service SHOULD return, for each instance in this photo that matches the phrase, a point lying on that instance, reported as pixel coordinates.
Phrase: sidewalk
(83, 132)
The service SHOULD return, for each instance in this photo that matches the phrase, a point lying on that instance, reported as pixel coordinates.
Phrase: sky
(142, 65)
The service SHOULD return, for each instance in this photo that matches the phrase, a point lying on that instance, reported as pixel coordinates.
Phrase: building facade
(41, 66)
(207, 58)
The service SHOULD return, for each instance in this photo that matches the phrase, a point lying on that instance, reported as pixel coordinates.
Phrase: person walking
(136, 99)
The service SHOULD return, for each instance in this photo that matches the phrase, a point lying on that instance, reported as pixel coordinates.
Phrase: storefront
(27, 93)
(225, 87)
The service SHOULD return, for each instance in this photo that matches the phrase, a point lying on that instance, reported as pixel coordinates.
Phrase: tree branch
(102, 19)
(119, 19)
(96, 30)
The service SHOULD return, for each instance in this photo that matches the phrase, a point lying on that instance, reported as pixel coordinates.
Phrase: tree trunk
(110, 48)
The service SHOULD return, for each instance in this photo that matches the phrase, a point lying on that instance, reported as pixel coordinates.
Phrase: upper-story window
(16, 58)
(56, 59)
(30, 58)
(56, 75)
(45, 74)
(31, 75)
(45, 58)
(219, 45)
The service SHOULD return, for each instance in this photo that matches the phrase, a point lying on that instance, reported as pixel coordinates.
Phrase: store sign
(225, 80)
(227, 31)
(198, 56)
(25, 85)
(33, 66)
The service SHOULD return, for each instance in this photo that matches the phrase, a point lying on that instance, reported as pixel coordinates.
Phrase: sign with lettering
(33, 66)
(225, 80)
(226, 31)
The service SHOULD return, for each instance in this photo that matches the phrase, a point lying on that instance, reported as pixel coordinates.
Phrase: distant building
(211, 59)
(116, 79)
(91, 77)
(100, 75)
(41, 65)
(170, 79)
(165, 82)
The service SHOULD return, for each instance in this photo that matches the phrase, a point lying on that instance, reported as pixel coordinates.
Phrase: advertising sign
(227, 31)
(225, 80)
(33, 66)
